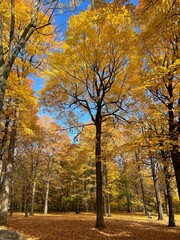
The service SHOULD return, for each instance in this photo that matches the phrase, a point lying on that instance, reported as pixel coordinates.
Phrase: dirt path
(81, 227)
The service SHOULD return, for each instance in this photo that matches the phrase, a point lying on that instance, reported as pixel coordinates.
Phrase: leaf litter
(71, 226)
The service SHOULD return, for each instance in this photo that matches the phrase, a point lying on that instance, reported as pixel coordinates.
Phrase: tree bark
(33, 197)
(166, 202)
(175, 154)
(128, 201)
(99, 193)
(3, 144)
(174, 132)
(105, 183)
(109, 205)
(46, 198)
(11, 197)
(142, 190)
(156, 188)
(7, 178)
(2, 79)
(27, 200)
(105, 205)
(169, 197)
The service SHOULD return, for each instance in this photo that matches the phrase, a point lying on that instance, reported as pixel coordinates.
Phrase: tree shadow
(9, 235)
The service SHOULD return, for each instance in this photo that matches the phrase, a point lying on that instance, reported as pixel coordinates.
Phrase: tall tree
(159, 38)
(94, 81)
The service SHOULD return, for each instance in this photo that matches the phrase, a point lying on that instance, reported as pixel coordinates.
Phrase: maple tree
(159, 39)
(95, 80)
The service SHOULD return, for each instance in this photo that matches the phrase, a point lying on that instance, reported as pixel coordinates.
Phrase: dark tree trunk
(2, 79)
(166, 202)
(33, 197)
(106, 195)
(22, 203)
(3, 143)
(99, 192)
(174, 132)
(26, 207)
(175, 155)
(169, 197)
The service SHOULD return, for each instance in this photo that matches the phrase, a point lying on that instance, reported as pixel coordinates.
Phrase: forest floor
(71, 226)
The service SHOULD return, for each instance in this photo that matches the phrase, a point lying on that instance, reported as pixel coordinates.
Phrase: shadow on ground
(9, 235)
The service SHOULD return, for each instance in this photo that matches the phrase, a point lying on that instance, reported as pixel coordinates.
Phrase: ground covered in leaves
(71, 226)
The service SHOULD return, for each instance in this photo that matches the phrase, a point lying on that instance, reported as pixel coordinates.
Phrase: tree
(159, 40)
(37, 16)
(16, 112)
(95, 81)
(54, 146)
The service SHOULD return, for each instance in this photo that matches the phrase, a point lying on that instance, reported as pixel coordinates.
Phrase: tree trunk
(99, 193)
(33, 197)
(7, 178)
(109, 205)
(3, 144)
(128, 201)
(46, 198)
(141, 181)
(169, 197)
(22, 206)
(142, 190)
(156, 188)
(5, 198)
(86, 205)
(105, 205)
(175, 154)
(166, 202)
(105, 184)
(11, 197)
(174, 132)
(26, 207)
(2, 79)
